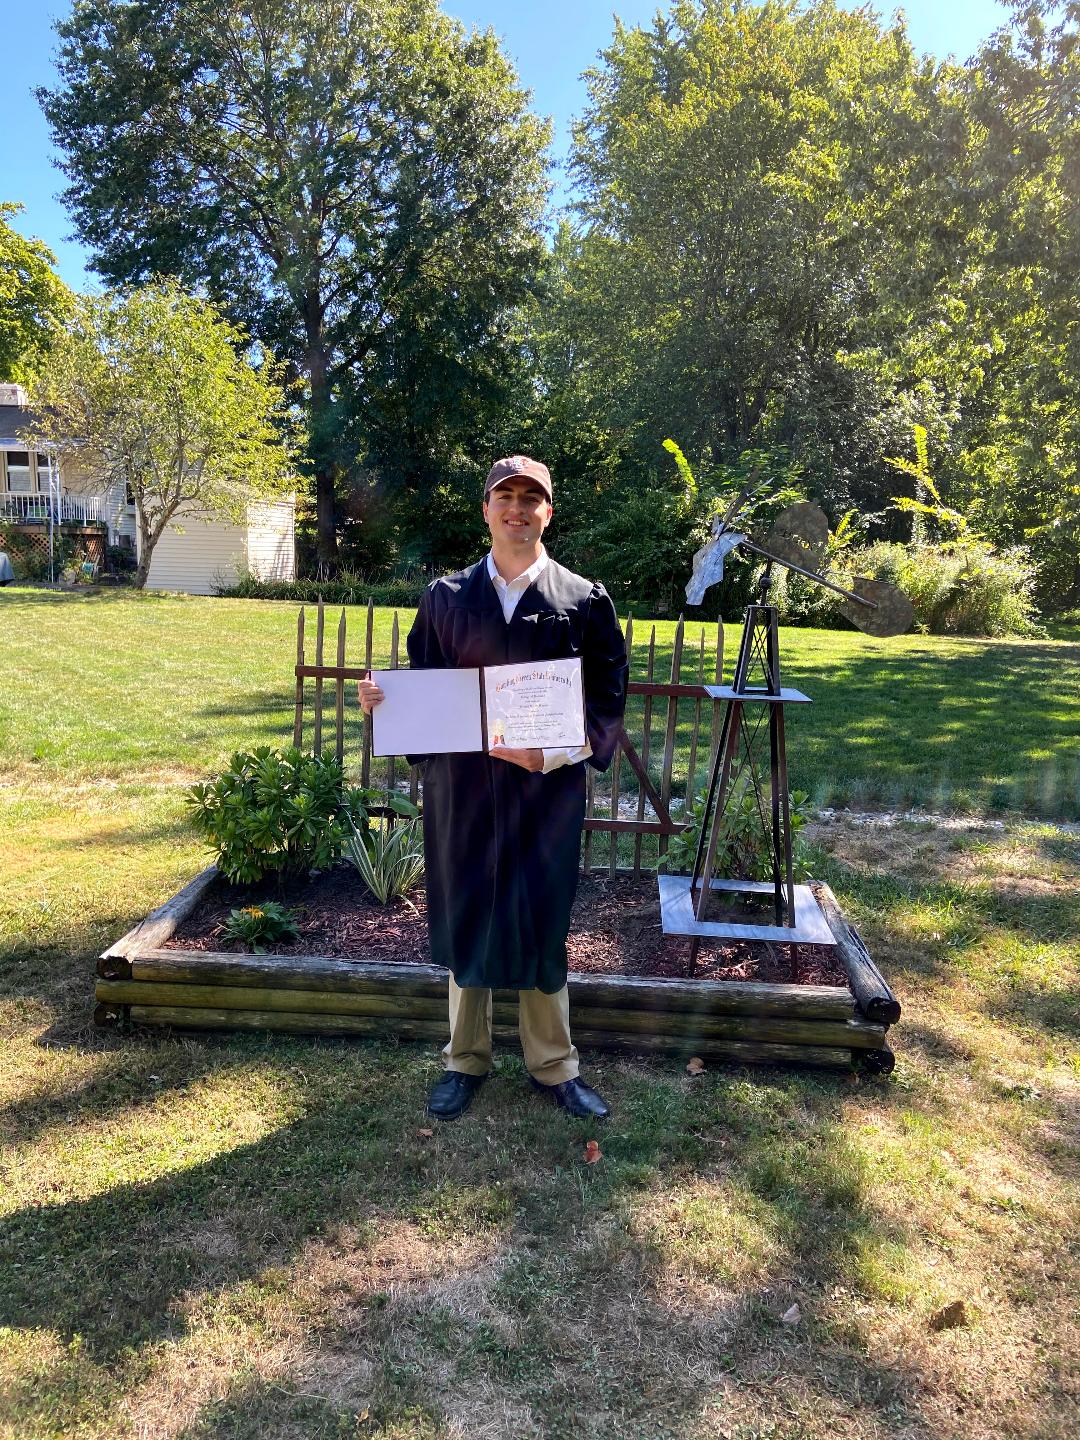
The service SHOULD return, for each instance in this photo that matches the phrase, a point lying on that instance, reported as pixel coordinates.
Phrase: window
(18, 471)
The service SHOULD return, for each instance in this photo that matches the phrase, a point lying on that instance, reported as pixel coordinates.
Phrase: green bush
(957, 588)
(261, 925)
(743, 849)
(277, 812)
(350, 587)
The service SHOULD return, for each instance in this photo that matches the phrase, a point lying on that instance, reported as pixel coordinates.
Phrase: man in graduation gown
(502, 830)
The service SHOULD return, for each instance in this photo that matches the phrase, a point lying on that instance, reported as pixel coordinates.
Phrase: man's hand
(528, 759)
(370, 695)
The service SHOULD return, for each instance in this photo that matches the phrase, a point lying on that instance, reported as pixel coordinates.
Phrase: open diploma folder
(539, 705)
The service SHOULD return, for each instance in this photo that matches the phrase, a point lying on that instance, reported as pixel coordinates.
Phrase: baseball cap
(515, 465)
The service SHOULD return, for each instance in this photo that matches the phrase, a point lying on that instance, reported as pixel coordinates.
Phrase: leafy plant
(926, 502)
(389, 858)
(262, 925)
(743, 849)
(275, 811)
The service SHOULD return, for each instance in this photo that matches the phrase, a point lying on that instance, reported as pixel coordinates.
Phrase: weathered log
(875, 1062)
(758, 1052)
(207, 1018)
(298, 972)
(393, 1006)
(187, 1017)
(778, 1029)
(158, 926)
(876, 1000)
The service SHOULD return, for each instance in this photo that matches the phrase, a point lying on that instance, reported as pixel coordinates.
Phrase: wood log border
(824, 1026)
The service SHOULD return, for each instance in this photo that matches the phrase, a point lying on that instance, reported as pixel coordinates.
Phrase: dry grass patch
(318, 1330)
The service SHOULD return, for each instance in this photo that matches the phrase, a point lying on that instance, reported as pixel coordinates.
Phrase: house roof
(13, 418)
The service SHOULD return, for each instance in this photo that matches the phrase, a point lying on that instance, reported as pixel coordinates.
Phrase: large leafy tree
(358, 181)
(797, 239)
(151, 388)
(33, 299)
(1012, 457)
(757, 179)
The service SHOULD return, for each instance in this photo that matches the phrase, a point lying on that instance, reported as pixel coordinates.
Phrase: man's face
(517, 512)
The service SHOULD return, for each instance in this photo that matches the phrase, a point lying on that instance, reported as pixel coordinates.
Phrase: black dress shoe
(453, 1094)
(576, 1097)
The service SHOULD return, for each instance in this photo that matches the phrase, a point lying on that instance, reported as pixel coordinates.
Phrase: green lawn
(256, 1237)
(116, 684)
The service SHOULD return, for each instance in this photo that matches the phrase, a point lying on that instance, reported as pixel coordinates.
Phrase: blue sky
(551, 42)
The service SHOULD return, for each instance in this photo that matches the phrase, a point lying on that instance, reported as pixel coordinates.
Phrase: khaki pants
(543, 1023)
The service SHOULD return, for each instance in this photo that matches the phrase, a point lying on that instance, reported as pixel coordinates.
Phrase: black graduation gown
(501, 844)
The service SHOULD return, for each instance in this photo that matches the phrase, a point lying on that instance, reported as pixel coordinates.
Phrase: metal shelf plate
(677, 914)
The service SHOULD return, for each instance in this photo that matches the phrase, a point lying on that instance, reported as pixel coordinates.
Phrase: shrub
(350, 587)
(389, 858)
(957, 587)
(743, 850)
(278, 812)
(255, 924)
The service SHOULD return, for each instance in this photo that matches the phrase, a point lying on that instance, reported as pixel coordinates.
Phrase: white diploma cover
(539, 705)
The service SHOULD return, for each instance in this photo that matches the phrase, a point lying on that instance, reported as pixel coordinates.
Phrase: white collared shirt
(509, 593)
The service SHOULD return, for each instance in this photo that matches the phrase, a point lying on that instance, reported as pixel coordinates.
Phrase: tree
(32, 299)
(359, 184)
(756, 184)
(1013, 455)
(150, 388)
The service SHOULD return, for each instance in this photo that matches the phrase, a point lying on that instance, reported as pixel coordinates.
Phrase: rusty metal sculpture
(754, 710)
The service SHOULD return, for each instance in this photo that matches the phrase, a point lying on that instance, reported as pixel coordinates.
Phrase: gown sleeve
(605, 676)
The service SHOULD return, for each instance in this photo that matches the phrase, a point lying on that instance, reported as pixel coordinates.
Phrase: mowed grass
(256, 1236)
(119, 684)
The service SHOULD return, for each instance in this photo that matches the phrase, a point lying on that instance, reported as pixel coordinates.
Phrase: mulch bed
(615, 930)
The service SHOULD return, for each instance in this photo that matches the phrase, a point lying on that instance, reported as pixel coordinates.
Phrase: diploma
(536, 706)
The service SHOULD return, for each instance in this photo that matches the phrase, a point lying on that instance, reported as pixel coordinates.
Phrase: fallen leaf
(949, 1317)
(427, 1134)
(592, 1152)
(695, 1065)
(791, 1316)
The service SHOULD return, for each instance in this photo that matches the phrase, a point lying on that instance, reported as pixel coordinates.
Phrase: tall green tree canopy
(359, 182)
(150, 388)
(800, 239)
(1012, 454)
(33, 299)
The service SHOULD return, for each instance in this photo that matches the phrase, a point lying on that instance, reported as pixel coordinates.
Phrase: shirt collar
(525, 579)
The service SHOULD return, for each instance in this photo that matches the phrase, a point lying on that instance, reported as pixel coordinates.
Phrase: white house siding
(206, 554)
(118, 515)
(271, 540)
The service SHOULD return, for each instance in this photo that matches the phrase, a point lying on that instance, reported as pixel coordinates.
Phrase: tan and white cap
(518, 465)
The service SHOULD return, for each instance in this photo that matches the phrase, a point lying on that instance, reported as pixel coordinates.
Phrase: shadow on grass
(83, 595)
(124, 1268)
(578, 1310)
(964, 923)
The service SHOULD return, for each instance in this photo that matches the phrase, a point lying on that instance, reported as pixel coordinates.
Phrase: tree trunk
(325, 514)
(146, 546)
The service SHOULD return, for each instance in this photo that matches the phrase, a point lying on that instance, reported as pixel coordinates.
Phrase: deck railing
(81, 509)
